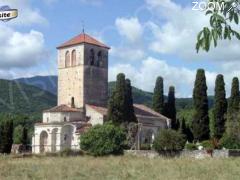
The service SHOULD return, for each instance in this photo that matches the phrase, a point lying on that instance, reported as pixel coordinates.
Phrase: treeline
(15, 129)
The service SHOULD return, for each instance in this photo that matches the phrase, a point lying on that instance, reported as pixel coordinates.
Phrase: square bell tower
(82, 72)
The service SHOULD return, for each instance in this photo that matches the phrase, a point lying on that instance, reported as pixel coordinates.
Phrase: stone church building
(82, 99)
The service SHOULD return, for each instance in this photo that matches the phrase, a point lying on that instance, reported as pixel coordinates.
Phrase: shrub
(169, 140)
(229, 142)
(191, 146)
(103, 140)
(208, 145)
(145, 147)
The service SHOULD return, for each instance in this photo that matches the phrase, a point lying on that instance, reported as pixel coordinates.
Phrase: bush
(145, 147)
(191, 146)
(229, 142)
(208, 145)
(103, 140)
(169, 140)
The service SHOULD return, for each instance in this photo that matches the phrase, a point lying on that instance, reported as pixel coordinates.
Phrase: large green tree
(116, 105)
(200, 123)
(233, 109)
(120, 106)
(220, 108)
(6, 135)
(158, 96)
(222, 24)
(171, 108)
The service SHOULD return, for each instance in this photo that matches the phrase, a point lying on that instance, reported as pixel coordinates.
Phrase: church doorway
(43, 141)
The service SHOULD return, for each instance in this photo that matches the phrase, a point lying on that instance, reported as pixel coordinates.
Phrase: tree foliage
(217, 124)
(169, 140)
(171, 108)
(221, 22)
(233, 109)
(103, 140)
(200, 123)
(130, 115)
(20, 135)
(184, 129)
(120, 106)
(6, 135)
(158, 96)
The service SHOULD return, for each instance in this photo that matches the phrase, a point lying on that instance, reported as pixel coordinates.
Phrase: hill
(18, 97)
(49, 83)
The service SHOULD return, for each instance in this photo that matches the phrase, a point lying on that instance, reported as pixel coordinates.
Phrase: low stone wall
(197, 154)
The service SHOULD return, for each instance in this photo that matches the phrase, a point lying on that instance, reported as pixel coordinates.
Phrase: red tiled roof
(101, 110)
(143, 110)
(82, 38)
(140, 110)
(62, 108)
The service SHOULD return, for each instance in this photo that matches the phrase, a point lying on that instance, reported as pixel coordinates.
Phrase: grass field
(123, 167)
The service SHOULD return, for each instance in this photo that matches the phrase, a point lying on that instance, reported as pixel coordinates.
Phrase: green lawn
(122, 167)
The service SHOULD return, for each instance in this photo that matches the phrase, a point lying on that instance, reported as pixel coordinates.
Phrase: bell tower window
(99, 61)
(91, 58)
(67, 59)
(74, 63)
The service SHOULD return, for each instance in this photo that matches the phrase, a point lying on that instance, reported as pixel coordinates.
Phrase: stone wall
(197, 154)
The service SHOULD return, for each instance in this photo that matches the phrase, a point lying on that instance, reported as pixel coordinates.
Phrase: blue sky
(148, 38)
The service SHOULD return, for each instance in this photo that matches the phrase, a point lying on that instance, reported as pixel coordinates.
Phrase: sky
(148, 38)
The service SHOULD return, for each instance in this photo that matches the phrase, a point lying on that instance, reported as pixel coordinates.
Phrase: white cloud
(129, 28)
(144, 76)
(20, 49)
(127, 53)
(177, 33)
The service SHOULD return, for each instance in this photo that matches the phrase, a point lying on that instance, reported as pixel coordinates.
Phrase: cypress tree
(220, 108)
(116, 105)
(158, 96)
(171, 108)
(234, 98)
(130, 115)
(6, 135)
(200, 123)
(232, 123)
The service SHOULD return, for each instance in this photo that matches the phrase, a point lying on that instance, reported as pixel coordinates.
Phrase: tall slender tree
(130, 115)
(171, 108)
(6, 135)
(233, 109)
(217, 124)
(158, 96)
(116, 105)
(200, 123)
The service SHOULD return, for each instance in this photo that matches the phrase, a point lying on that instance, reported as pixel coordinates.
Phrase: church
(82, 99)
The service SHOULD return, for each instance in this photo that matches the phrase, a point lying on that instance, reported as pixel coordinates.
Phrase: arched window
(67, 59)
(91, 58)
(74, 63)
(99, 61)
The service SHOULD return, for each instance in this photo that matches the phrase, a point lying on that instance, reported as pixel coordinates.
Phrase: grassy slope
(22, 98)
(122, 167)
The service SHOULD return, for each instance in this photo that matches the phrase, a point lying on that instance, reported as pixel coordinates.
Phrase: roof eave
(65, 46)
